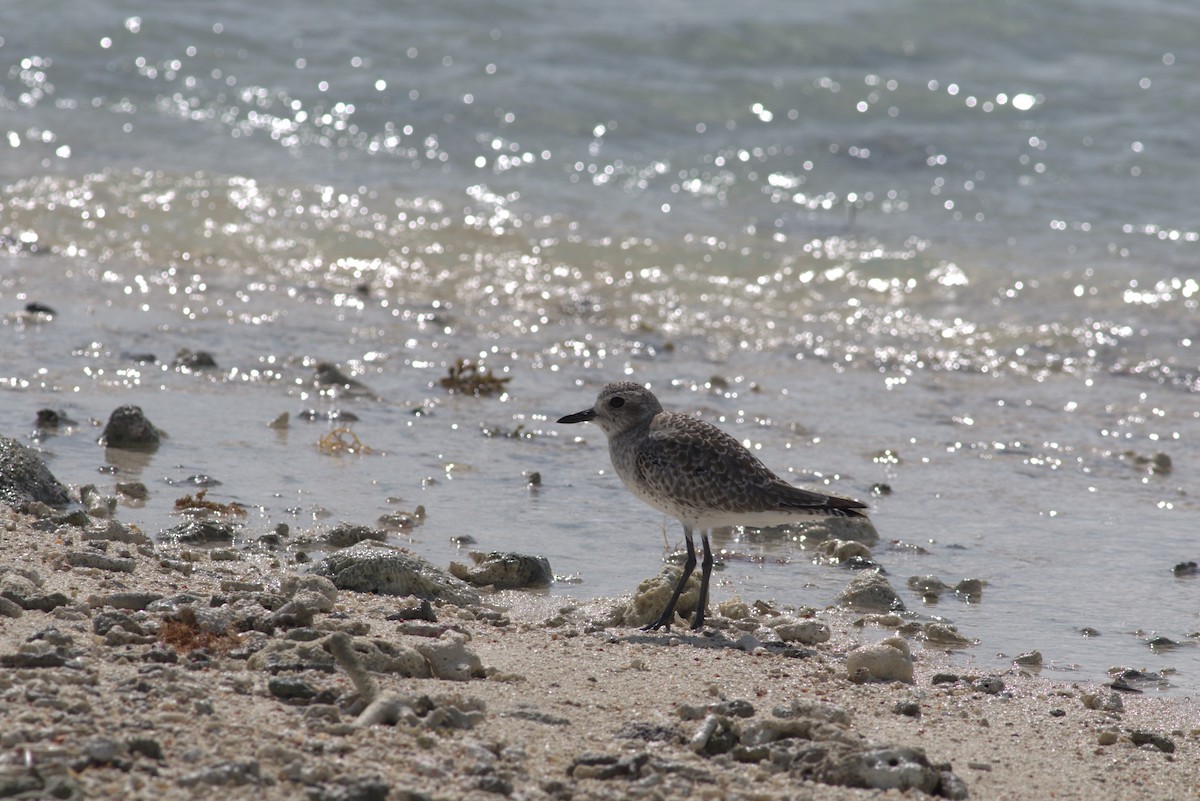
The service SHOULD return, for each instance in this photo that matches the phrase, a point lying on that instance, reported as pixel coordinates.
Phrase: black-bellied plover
(695, 472)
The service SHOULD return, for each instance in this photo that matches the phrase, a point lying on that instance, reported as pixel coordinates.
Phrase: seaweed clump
(470, 378)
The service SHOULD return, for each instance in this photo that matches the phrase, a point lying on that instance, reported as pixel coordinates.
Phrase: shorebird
(695, 472)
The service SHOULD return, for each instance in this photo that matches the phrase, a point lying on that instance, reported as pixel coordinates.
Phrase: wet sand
(113, 692)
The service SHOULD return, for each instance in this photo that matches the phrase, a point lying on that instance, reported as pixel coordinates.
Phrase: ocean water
(951, 248)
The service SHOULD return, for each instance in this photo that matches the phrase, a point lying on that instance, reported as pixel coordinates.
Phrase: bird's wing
(696, 463)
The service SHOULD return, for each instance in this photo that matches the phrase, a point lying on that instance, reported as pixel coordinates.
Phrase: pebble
(807, 632)
(870, 592)
(128, 427)
(887, 660)
(100, 561)
(368, 568)
(504, 571)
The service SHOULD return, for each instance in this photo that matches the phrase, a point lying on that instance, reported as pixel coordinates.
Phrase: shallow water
(963, 234)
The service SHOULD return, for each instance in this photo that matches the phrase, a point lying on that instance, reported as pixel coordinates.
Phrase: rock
(134, 490)
(989, 685)
(197, 531)
(504, 571)
(10, 608)
(808, 632)
(895, 768)
(24, 477)
(1164, 744)
(870, 592)
(113, 531)
(857, 529)
(887, 660)
(367, 568)
(1029, 659)
(290, 688)
(840, 551)
(100, 561)
(227, 774)
(187, 360)
(971, 589)
(345, 535)
(128, 428)
(945, 635)
(449, 658)
(651, 596)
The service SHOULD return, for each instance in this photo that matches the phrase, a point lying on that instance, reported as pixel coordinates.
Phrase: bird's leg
(664, 620)
(705, 572)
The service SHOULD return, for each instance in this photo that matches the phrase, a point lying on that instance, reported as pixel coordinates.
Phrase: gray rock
(870, 592)
(100, 561)
(24, 477)
(504, 571)
(368, 568)
(345, 535)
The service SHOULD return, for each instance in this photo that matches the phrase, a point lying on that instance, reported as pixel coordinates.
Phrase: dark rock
(145, 746)
(360, 789)
(290, 688)
(128, 428)
(227, 774)
(1164, 744)
(910, 709)
(24, 477)
(197, 531)
(186, 359)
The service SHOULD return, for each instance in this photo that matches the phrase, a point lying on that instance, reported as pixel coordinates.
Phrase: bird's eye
(617, 403)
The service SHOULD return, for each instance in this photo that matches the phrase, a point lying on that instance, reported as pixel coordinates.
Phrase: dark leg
(705, 572)
(664, 620)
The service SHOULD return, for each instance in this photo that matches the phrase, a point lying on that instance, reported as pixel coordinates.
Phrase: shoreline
(160, 671)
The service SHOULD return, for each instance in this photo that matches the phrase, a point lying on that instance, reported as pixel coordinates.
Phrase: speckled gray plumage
(697, 473)
(694, 471)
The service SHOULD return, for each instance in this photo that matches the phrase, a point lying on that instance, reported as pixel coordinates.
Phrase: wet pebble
(24, 477)
(870, 592)
(504, 571)
(346, 534)
(200, 531)
(945, 635)
(1029, 659)
(128, 427)
(134, 490)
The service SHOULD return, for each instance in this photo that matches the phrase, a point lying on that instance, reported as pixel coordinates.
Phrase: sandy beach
(133, 669)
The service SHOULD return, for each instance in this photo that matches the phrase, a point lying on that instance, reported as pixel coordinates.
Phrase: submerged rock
(128, 427)
(369, 568)
(24, 477)
(504, 571)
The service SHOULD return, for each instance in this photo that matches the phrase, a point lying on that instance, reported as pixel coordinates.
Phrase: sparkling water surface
(948, 248)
